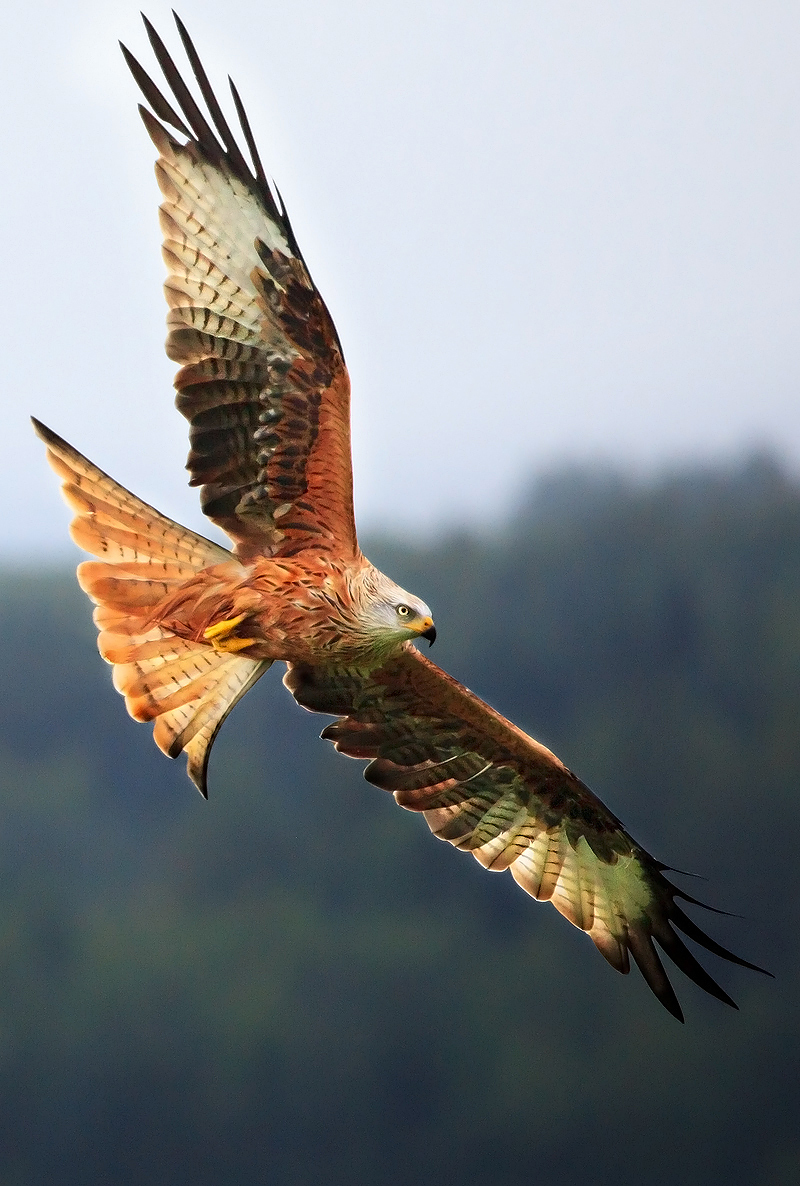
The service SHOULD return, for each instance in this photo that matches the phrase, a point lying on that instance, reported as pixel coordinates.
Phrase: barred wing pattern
(262, 382)
(486, 787)
(264, 386)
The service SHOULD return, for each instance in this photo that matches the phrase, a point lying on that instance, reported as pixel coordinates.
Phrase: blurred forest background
(296, 983)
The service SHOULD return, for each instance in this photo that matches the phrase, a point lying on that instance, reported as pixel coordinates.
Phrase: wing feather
(486, 787)
(263, 382)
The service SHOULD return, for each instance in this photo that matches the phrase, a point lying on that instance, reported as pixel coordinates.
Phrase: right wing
(263, 381)
(492, 790)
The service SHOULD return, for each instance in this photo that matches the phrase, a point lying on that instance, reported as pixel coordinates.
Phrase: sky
(549, 233)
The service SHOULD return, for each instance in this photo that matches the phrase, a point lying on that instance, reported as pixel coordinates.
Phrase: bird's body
(301, 609)
(189, 626)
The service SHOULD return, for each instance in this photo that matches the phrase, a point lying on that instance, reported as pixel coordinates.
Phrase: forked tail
(186, 687)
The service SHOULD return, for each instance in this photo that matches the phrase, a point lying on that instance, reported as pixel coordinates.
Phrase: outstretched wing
(262, 382)
(488, 788)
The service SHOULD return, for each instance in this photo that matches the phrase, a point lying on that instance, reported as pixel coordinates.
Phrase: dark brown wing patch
(262, 382)
(487, 787)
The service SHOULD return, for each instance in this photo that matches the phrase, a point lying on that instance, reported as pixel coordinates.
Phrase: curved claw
(220, 635)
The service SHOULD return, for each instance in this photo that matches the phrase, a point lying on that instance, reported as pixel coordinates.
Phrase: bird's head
(396, 614)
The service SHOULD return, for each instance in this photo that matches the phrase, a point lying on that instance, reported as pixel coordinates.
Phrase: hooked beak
(430, 634)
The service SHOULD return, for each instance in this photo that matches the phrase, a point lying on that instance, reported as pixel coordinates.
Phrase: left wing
(492, 790)
(262, 382)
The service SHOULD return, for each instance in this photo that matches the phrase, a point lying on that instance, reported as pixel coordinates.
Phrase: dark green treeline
(296, 983)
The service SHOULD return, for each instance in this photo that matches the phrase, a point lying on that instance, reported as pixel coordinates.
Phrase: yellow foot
(232, 644)
(219, 635)
(222, 629)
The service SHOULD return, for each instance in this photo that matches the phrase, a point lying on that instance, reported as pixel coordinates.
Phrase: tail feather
(122, 634)
(122, 591)
(135, 667)
(186, 678)
(121, 649)
(120, 536)
(154, 682)
(192, 729)
(183, 685)
(129, 551)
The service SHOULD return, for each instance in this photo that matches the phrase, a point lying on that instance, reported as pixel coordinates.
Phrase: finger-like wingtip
(690, 928)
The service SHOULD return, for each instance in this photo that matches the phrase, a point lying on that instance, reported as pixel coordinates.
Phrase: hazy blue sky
(546, 231)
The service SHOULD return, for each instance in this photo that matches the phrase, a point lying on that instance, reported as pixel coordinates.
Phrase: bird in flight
(189, 626)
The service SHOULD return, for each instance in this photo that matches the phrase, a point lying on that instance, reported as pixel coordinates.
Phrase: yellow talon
(219, 635)
(232, 644)
(221, 629)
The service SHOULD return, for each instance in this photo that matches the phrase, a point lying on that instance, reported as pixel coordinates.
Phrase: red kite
(189, 626)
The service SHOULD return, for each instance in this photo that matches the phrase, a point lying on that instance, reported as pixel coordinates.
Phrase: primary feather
(189, 626)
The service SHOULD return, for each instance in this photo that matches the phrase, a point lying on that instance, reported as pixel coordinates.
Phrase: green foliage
(296, 983)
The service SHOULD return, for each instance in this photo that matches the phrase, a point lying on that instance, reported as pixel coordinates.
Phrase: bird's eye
(403, 611)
